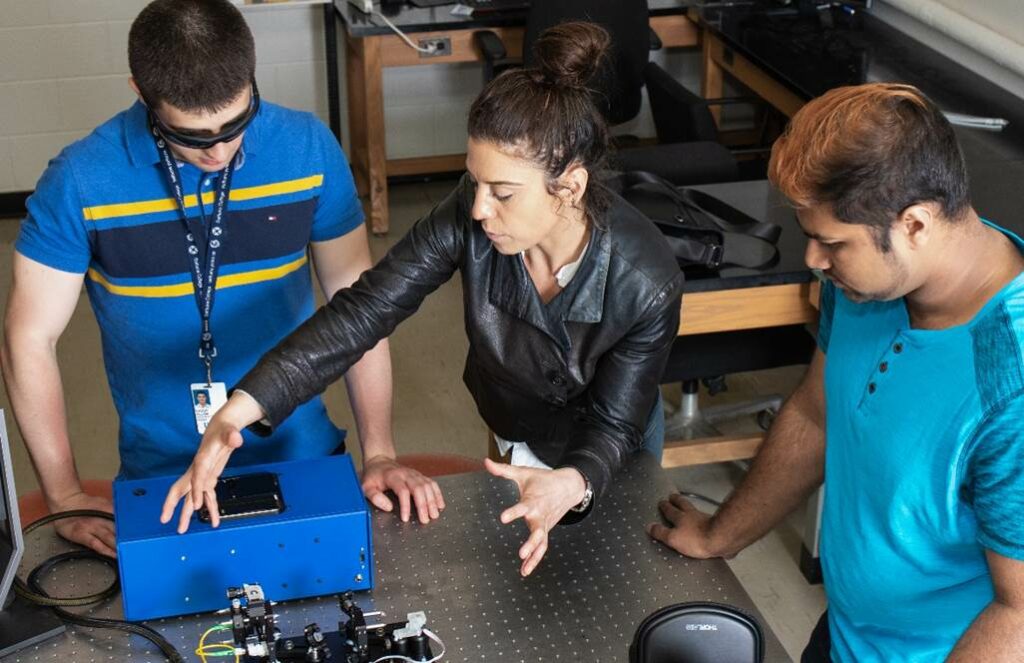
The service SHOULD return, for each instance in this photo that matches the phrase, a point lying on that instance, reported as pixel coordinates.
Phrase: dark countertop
(416, 19)
(809, 57)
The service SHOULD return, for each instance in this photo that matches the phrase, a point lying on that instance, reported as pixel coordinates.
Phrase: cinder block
(85, 103)
(6, 167)
(409, 131)
(30, 107)
(302, 85)
(27, 54)
(30, 154)
(22, 13)
(80, 50)
(293, 34)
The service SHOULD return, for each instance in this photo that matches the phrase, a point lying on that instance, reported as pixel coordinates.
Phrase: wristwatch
(588, 497)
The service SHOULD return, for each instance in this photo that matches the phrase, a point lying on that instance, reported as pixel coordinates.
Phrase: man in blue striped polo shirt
(912, 411)
(191, 218)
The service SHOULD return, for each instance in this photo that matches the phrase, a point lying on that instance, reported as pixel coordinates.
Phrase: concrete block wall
(64, 70)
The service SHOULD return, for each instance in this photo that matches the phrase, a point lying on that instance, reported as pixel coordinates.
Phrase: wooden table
(372, 47)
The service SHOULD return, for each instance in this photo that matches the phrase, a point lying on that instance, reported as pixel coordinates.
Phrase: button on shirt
(924, 471)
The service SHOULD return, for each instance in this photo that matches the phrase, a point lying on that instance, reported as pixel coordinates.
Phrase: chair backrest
(618, 84)
(680, 116)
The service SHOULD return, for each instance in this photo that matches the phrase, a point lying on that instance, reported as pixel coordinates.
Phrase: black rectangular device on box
(246, 495)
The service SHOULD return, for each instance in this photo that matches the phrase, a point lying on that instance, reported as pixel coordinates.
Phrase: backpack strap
(701, 229)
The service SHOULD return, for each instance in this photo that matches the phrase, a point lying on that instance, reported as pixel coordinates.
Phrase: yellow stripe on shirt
(115, 210)
(182, 289)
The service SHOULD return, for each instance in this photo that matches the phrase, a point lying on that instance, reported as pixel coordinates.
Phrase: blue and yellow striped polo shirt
(104, 209)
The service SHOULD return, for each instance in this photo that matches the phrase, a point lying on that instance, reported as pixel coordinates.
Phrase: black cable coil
(33, 591)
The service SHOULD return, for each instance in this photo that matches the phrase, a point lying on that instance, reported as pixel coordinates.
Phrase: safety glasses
(228, 133)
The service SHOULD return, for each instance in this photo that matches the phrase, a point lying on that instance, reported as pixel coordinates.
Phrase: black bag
(702, 230)
(698, 632)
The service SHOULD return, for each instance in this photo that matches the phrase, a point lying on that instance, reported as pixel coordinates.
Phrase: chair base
(689, 422)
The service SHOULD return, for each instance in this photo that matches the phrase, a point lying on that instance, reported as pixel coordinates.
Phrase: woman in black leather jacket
(571, 302)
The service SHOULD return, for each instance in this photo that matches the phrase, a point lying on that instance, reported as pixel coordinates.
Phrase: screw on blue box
(315, 541)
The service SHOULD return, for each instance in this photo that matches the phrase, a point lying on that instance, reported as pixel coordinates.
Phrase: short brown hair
(196, 55)
(868, 152)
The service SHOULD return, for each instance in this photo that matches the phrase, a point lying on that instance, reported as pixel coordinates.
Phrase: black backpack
(698, 632)
(701, 230)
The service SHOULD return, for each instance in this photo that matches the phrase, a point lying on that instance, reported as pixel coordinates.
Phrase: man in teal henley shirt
(912, 409)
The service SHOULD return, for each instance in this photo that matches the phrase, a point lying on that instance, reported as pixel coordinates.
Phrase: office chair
(618, 87)
(680, 116)
(701, 356)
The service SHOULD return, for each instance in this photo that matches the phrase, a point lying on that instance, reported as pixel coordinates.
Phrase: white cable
(976, 122)
(401, 34)
(406, 659)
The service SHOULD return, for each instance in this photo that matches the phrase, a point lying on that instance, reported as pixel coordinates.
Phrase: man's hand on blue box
(382, 473)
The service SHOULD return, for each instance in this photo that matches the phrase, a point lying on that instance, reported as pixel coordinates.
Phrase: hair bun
(570, 54)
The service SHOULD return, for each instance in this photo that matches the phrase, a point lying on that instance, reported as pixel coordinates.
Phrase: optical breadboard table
(598, 580)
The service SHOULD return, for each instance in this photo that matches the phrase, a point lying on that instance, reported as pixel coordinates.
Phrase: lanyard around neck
(203, 265)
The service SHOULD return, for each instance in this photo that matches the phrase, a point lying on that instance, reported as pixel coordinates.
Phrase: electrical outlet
(438, 45)
(365, 6)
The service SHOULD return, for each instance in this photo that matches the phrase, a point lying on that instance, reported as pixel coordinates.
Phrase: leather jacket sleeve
(623, 392)
(324, 347)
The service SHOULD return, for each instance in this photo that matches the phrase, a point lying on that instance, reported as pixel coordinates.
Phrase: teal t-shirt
(924, 471)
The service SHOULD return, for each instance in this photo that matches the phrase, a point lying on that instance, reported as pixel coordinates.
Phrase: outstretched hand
(197, 486)
(544, 497)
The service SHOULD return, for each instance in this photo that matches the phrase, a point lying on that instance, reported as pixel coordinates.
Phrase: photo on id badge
(206, 400)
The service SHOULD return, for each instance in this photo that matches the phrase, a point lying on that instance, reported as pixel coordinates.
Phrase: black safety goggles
(228, 133)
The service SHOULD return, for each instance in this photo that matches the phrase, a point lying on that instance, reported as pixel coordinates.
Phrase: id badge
(206, 400)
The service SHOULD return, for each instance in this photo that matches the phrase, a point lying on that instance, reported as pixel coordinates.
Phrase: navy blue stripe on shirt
(158, 249)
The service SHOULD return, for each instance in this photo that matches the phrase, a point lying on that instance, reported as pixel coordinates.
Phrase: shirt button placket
(883, 366)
